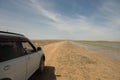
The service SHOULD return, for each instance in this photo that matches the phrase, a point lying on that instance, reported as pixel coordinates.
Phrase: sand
(66, 61)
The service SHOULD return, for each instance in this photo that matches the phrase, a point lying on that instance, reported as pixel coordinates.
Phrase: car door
(12, 61)
(33, 58)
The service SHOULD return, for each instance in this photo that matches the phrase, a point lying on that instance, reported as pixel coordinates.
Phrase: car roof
(9, 36)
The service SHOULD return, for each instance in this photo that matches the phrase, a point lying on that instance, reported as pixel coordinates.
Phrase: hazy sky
(62, 19)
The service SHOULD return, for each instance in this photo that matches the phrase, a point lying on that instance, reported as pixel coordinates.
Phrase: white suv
(19, 59)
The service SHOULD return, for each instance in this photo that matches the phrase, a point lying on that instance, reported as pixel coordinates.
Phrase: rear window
(9, 50)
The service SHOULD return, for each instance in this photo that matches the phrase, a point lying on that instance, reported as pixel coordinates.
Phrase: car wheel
(42, 65)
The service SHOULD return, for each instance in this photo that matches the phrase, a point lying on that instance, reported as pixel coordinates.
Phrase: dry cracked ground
(66, 61)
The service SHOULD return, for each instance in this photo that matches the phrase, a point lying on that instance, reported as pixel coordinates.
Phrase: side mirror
(38, 48)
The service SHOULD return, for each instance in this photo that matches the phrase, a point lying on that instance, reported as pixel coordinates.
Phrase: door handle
(7, 67)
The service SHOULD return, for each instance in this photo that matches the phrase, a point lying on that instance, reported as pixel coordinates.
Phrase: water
(108, 49)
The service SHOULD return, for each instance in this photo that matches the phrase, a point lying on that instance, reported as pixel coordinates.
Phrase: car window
(9, 50)
(28, 47)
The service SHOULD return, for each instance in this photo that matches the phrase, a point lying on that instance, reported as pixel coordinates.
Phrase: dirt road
(65, 61)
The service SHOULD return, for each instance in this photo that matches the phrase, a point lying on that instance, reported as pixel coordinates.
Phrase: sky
(62, 19)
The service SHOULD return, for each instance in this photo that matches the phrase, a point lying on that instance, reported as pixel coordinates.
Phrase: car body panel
(32, 63)
(14, 69)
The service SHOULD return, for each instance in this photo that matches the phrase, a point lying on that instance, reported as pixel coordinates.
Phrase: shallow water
(109, 49)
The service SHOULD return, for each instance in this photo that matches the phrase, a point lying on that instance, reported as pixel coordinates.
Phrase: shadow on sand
(47, 74)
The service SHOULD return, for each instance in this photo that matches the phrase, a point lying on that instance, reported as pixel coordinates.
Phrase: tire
(42, 65)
